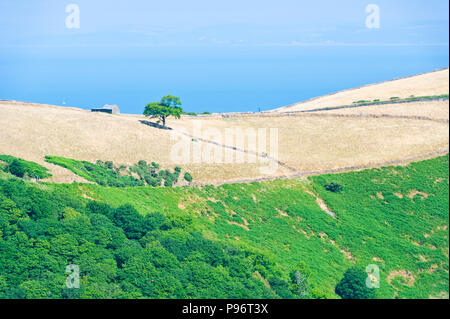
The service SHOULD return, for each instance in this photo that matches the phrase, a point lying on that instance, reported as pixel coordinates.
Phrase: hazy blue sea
(215, 79)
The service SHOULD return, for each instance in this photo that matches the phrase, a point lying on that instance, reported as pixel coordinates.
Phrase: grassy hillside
(394, 217)
(427, 84)
(307, 142)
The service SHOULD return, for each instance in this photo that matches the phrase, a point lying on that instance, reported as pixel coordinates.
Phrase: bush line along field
(392, 100)
(426, 84)
(107, 174)
(236, 240)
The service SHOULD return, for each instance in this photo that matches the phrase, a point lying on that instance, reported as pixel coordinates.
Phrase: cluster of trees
(102, 173)
(108, 174)
(119, 252)
(151, 174)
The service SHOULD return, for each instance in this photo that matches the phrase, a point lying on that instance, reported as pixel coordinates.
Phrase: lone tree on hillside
(353, 285)
(168, 106)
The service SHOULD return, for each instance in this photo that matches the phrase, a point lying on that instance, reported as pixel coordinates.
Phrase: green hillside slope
(237, 240)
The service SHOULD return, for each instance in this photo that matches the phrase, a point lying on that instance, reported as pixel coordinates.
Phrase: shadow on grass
(155, 125)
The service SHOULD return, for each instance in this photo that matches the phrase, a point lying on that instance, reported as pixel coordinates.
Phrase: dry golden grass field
(310, 142)
(306, 142)
(432, 83)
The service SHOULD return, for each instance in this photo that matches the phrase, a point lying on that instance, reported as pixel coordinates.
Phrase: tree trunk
(164, 121)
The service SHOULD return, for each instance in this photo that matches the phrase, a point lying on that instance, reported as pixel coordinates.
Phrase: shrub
(155, 165)
(333, 187)
(142, 163)
(168, 181)
(190, 113)
(16, 168)
(109, 165)
(188, 177)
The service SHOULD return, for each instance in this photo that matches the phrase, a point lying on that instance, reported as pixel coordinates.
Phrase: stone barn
(111, 109)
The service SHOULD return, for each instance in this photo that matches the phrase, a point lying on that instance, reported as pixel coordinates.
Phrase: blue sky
(206, 22)
(217, 55)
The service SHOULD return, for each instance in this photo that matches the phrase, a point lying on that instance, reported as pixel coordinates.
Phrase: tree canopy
(353, 285)
(168, 106)
(119, 252)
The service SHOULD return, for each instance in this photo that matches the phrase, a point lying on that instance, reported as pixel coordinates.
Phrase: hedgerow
(107, 174)
(22, 168)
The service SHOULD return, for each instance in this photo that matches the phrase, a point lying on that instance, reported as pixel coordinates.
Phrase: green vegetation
(102, 173)
(397, 99)
(195, 113)
(333, 187)
(149, 174)
(427, 97)
(120, 253)
(353, 285)
(22, 168)
(256, 240)
(107, 174)
(168, 106)
(188, 177)
(381, 102)
(396, 218)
